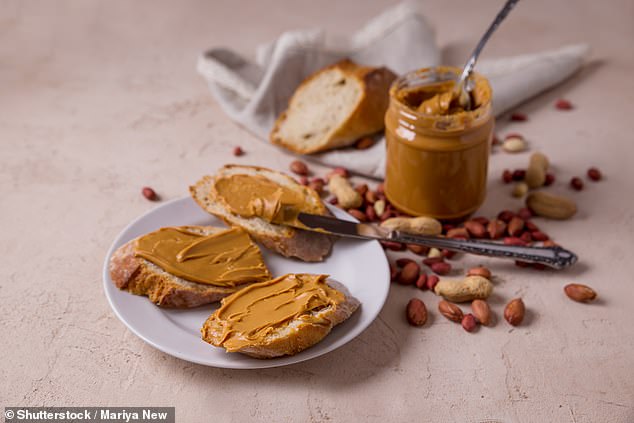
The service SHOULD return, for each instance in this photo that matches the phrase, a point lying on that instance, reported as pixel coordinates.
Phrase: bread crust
(289, 242)
(368, 116)
(303, 336)
(141, 277)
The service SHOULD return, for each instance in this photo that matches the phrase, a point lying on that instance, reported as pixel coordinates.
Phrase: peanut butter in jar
(437, 152)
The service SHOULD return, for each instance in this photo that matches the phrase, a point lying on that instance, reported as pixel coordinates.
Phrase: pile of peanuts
(509, 227)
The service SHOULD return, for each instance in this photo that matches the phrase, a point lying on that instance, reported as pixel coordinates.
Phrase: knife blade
(555, 257)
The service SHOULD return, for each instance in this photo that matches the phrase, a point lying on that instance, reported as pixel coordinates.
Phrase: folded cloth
(254, 94)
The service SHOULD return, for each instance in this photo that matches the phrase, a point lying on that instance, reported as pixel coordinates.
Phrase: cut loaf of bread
(296, 335)
(142, 277)
(333, 108)
(289, 242)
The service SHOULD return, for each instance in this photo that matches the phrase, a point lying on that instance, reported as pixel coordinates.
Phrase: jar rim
(446, 123)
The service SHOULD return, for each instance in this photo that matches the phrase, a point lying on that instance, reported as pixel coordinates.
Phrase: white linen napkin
(254, 94)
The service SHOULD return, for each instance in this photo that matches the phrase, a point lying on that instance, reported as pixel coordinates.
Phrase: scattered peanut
(149, 193)
(416, 312)
(417, 249)
(347, 197)
(317, 184)
(576, 183)
(441, 268)
(433, 253)
(370, 213)
(520, 190)
(450, 311)
(432, 260)
(238, 151)
(506, 216)
(432, 281)
(298, 167)
(469, 322)
(518, 175)
(513, 240)
(409, 273)
(507, 176)
(358, 214)
(536, 172)
(563, 104)
(392, 245)
(370, 197)
(580, 293)
(514, 145)
(416, 225)
(458, 233)
(467, 289)
(516, 225)
(514, 311)
(379, 207)
(481, 311)
(475, 228)
(421, 282)
(518, 117)
(480, 271)
(594, 174)
(496, 228)
(550, 205)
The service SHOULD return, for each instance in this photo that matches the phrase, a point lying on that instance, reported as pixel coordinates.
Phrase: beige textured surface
(100, 98)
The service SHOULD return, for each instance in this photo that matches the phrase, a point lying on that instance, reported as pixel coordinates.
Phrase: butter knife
(555, 257)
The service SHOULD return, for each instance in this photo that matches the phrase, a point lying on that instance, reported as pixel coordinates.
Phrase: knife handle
(555, 257)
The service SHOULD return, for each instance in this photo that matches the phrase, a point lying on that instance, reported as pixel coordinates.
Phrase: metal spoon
(461, 89)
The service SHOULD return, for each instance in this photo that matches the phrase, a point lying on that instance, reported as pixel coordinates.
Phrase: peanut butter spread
(251, 314)
(227, 258)
(440, 99)
(257, 196)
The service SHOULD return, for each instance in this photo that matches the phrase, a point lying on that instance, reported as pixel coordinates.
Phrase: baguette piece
(334, 107)
(293, 336)
(142, 277)
(287, 241)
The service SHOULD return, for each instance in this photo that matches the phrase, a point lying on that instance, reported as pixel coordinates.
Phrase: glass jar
(437, 163)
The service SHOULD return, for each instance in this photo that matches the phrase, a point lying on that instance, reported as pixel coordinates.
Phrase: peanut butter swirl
(251, 314)
(227, 258)
(257, 196)
(439, 99)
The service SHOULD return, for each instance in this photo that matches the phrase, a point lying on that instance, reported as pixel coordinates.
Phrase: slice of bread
(333, 108)
(289, 242)
(142, 277)
(295, 335)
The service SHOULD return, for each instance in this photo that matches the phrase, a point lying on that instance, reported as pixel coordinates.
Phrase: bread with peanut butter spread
(333, 108)
(282, 316)
(260, 201)
(187, 266)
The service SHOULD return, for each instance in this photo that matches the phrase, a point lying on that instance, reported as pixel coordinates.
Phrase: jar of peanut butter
(437, 152)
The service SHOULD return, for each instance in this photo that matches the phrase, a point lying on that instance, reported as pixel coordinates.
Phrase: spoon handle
(555, 257)
(476, 52)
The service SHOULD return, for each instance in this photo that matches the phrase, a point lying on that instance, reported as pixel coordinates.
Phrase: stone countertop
(98, 99)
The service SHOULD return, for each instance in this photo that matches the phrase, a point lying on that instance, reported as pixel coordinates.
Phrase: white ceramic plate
(360, 265)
